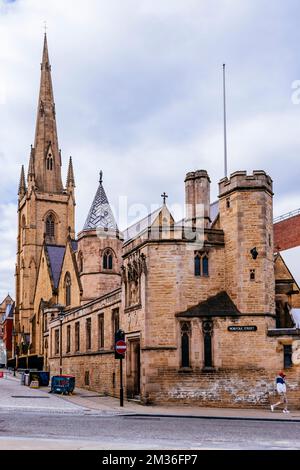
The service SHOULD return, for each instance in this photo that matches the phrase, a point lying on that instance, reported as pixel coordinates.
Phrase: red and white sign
(121, 347)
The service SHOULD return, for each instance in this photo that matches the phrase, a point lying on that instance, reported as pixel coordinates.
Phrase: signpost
(121, 347)
(120, 350)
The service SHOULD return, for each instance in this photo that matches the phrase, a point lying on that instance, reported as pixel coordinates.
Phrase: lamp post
(61, 317)
(16, 350)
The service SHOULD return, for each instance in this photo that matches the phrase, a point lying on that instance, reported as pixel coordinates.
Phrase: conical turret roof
(100, 215)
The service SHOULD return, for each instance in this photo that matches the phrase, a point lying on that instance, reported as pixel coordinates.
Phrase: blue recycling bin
(63, 384)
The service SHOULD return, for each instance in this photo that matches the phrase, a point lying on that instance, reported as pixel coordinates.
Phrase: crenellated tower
(246, 216)
(45, 207)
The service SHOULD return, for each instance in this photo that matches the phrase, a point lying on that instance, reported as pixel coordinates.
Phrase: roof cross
(164, 196)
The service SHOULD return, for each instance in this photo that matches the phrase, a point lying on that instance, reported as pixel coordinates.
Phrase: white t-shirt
(281, 388)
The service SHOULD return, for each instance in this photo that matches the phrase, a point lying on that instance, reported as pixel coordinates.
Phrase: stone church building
(205, 303)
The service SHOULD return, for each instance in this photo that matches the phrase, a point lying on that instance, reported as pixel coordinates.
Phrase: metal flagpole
(225, 136)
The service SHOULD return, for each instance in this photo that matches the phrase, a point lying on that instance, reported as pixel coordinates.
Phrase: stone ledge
(284, 332)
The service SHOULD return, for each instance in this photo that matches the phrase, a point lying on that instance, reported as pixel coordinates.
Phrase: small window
(252, 274)
(107, 260)
(228, 202)
(101, 330)
(77, 336)
(115, 323)
(205, 265)
(68, 338)
(201, 264)
(88, 333)
(56, 342)
(68, 289)
(287, 352)
(50, 162)
(197, 266)
(87, 378)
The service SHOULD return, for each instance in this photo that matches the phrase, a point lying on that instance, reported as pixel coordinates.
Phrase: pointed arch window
(201, 264)
(50, 162)
(205, 265)
(185, 344)
(50, 226)
(68, 289)
(197, 265)
(107, 259)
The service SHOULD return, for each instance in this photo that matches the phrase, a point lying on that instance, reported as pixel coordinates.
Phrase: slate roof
(140, 226)
(213, 213)
(55, 256)
(100, 215)
(217, 305)
(74, 245)
(9, 312)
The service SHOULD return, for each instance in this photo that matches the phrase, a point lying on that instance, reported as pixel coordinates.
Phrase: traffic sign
(121, 347)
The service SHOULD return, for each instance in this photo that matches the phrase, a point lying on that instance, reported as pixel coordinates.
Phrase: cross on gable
(164, 196)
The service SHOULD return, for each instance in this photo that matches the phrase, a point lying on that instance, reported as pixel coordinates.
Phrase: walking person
(281, 390)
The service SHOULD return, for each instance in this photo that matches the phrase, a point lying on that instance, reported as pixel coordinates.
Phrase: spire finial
(22, 184)
(45, 27)
(101, 177)
(70, 177)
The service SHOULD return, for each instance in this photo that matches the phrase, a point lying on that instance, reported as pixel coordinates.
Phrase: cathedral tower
(45, 207)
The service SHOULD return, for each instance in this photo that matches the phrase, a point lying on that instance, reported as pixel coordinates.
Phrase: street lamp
(16, 347)
(61, 317)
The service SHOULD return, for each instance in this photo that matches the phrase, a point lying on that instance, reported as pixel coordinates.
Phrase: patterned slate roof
(100, 215)
(56, 256)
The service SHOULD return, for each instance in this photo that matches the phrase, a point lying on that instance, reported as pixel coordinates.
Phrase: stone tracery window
(108, 259)
(207, 330)
(201, 264)
(67, 285)
(50, 162)
(50, 226)
(185, 344)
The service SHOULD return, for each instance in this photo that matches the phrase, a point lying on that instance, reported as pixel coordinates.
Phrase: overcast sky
(138, 91)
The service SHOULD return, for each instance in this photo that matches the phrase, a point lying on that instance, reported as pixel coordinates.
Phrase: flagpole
(225, 135)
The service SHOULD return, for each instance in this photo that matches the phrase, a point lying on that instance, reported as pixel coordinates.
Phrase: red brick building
(287, 231)
(6, 324)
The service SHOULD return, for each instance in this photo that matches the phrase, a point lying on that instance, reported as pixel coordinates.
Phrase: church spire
(46, 154)
(22, 184)
(30, 175)
(100, 216)
(70, 177)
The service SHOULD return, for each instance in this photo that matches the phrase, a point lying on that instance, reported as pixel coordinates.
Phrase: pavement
(16, 397)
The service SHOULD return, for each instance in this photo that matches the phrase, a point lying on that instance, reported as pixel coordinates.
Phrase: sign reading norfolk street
(243, 328)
